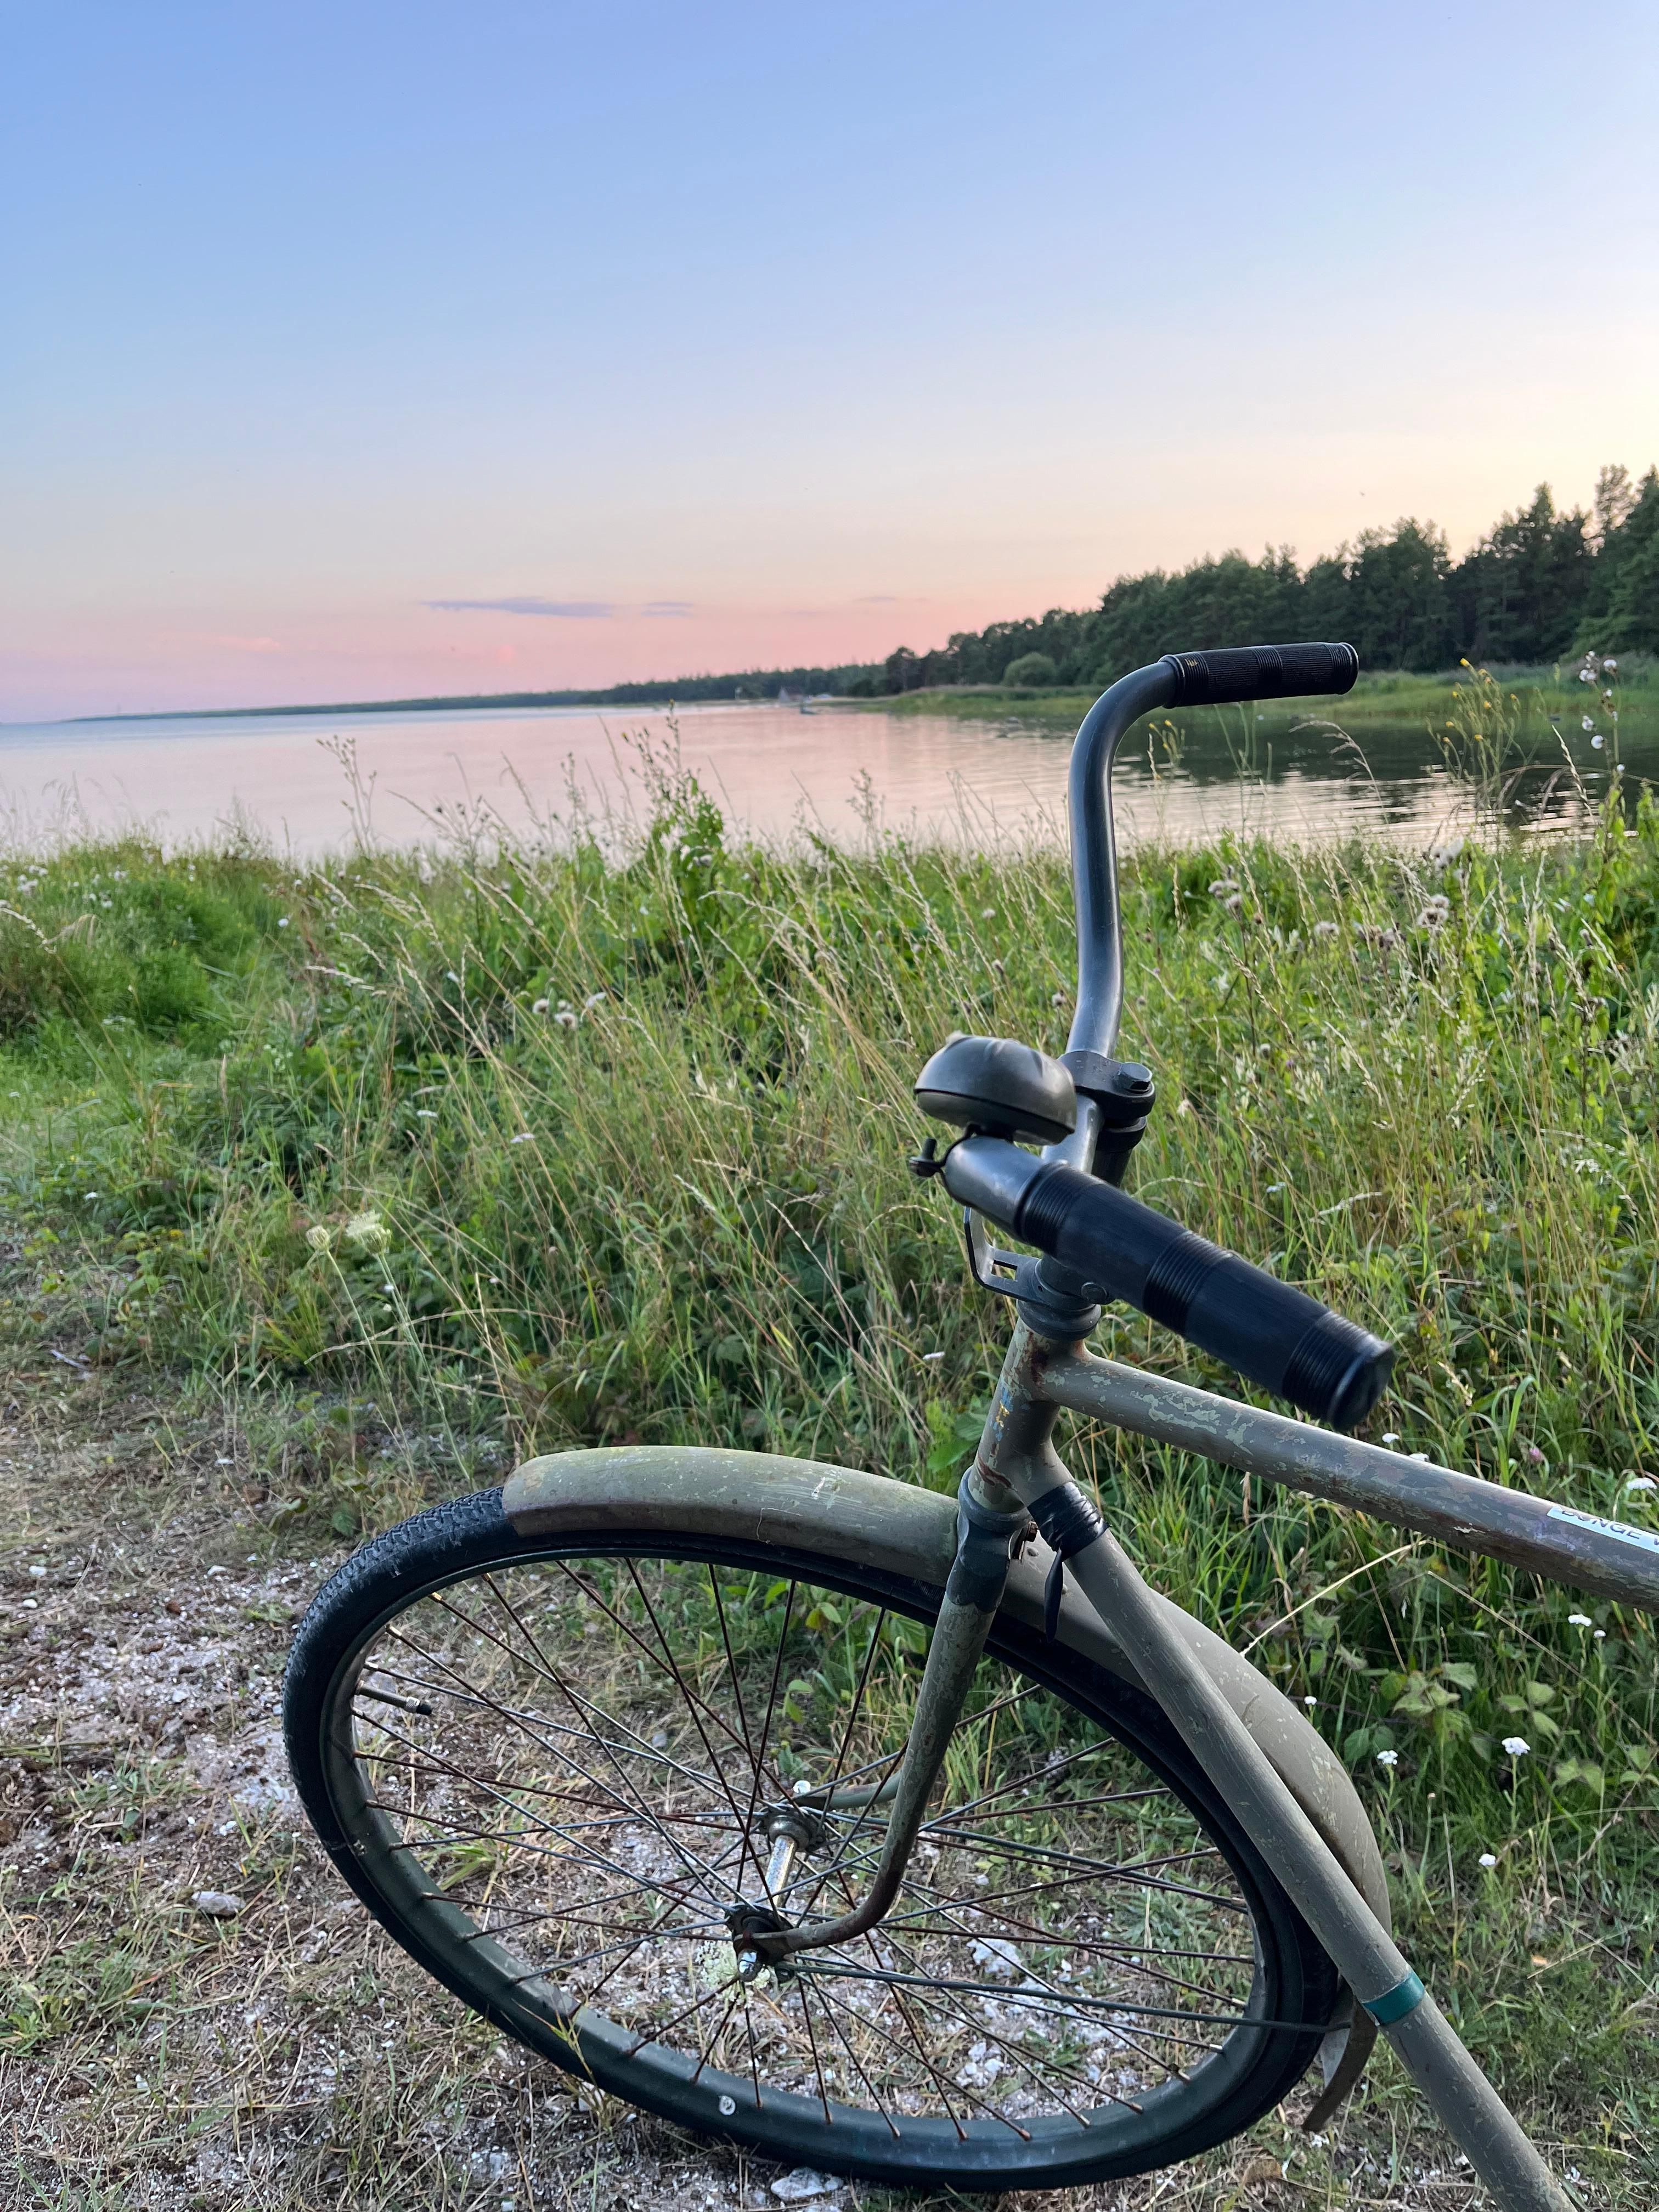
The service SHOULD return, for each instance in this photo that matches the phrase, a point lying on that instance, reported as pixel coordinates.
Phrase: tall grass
(523, 1146)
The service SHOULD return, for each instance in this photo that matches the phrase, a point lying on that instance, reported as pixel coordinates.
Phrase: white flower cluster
(564, 1013)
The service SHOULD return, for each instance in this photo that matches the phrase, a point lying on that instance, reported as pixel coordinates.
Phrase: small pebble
(217, 1903)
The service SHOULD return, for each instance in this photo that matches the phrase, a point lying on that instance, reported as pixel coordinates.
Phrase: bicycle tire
(469, 1542)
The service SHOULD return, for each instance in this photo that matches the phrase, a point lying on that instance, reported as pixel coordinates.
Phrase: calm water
(775, 771)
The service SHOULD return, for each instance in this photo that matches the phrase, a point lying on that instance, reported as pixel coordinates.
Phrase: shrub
(1031, 668)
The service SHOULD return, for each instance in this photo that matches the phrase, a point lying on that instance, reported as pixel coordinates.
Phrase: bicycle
(631, 1754)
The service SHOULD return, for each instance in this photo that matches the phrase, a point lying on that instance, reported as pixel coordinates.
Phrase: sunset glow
(382, 352)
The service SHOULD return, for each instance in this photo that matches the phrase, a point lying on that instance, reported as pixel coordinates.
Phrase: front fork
(1016, 1465)
(991, 1523)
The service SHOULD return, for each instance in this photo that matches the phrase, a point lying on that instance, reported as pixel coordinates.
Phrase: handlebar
(1236, 673)
(1269, 1330)
(1180, 679)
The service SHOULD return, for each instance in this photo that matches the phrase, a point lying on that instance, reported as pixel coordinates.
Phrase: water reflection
(837, 771)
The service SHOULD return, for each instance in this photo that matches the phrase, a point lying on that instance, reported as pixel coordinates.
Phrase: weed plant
(510, 1147)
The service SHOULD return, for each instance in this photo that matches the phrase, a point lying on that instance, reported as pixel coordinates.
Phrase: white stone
(217, 1903)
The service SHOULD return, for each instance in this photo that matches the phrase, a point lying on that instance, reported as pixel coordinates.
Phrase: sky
(358, 350)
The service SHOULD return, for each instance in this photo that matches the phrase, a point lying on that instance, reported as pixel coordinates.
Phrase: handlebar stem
(1094, 853)
(1094, 879)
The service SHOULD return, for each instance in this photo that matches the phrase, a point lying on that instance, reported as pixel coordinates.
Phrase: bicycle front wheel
(556, 1772)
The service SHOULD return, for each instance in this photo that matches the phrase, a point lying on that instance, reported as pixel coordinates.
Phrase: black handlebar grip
(1266, 1329)
(1236, 672)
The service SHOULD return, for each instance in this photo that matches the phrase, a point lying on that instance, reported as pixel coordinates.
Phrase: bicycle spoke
(553, 1828)
(578, 1706)
(697, 1722)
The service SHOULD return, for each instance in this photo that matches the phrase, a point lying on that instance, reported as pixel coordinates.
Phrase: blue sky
(359, 349)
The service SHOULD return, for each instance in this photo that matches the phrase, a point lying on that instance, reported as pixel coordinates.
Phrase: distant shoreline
(621, 695)
(472, 702)
(1384, 692)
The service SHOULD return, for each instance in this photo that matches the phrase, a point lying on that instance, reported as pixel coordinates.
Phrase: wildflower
(368, 1231)
(931, 1356)
(1390, 1436)
(1222, 886)
(319, 1238)
(1489, 1858)
(452, 976)
(1310, 1703)
(1586, 675)
(283, 922)
(1600, 1635)
(1058, 999)
(1597, 742)
(593, 999)
(1610, 667)
(542, 1006)
(1437, 912)
(425, 1114)
(1274, 1189)
(987, 914)
(1589, 722)
(565, 1019)
(1535, 1455)
(1235, 904)
(1578, 1620)
(524, 1137)
(1642, 1482)
(1388, 1758)
(1324, 929)
(1517, 1746)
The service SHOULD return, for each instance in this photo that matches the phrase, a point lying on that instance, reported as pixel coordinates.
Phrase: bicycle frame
(1017, 1469)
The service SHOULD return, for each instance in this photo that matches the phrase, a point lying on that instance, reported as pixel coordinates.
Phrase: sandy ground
(196, 2012)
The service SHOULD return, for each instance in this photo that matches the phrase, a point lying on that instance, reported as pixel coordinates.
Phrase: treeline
(1541, 584)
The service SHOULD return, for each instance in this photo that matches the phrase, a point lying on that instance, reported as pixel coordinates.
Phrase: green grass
(415, 1160)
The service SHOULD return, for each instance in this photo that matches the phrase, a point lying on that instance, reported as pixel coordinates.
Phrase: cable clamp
(1068, 1524)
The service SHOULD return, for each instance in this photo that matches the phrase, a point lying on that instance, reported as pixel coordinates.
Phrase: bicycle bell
(1000, 1088)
